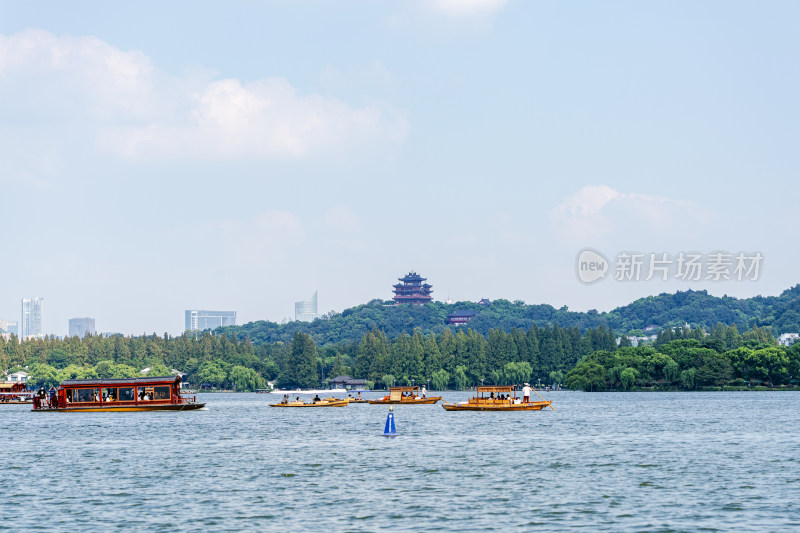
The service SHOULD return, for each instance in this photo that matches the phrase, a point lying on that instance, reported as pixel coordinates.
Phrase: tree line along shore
(595, 359)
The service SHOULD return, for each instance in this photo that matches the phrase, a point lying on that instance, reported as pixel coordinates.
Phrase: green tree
(672, 371)
(460, 377)
(440, 379)
(244, 379)
(210, 374)
(301, 367)
(587, 376)
(121, 371)
(158, 370)
(556, 377)
(42, 375)
(688, 378)
(627, 378)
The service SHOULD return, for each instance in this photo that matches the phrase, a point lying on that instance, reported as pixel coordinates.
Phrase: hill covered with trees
(507, 343)
(697, 308)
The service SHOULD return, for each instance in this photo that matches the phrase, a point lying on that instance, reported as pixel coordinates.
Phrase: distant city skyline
(233, 156)
(201, 319)
(31, 324)
(306, 310)
(80, 327)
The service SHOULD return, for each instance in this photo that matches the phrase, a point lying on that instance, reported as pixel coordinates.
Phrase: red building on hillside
(412, 290)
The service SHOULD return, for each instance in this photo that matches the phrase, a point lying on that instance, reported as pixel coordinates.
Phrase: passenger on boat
(358, 396)
(317, 398)
(424, 392)
(285, 399)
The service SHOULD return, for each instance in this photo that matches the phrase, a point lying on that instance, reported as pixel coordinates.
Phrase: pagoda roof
(463, 313)
(409, 294)
(412, 276)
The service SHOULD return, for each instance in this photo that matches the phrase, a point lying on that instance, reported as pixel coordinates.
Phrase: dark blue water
(601, 462)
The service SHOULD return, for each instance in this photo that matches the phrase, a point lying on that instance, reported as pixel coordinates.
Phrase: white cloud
(344, 227)
(372, 75)
(598, 211)
(264, 239)
(129, 108)
(466, 8)
(341, 218)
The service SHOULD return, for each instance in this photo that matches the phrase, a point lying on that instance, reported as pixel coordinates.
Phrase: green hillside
(697, 308)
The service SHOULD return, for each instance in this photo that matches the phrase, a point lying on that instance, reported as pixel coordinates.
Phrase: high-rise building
(31, 324)
(79, 327)
(412, 290)
(306, 311)
(8, 328)
(200, 320)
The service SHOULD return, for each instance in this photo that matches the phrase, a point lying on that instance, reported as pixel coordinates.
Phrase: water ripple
(602, 462)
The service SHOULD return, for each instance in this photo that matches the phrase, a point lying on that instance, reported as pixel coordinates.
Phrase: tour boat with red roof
(14, 393)
(128, 394)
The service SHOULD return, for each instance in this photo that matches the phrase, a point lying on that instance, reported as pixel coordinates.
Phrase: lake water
(602, 462)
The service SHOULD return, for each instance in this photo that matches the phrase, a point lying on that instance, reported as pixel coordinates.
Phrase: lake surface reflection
(605, 461)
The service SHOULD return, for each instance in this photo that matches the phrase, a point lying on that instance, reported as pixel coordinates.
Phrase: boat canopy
(160, 380)
(397, 393)
(496, 388)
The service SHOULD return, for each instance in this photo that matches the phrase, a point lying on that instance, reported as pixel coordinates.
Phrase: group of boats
(165, 394)
(490, 398)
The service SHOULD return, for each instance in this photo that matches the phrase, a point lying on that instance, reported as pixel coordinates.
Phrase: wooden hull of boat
(534, 406)
(125, 408)
(342, 403)
(420, 401)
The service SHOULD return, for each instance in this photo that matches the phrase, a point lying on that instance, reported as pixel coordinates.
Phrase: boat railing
(183, 400)
(45, 403)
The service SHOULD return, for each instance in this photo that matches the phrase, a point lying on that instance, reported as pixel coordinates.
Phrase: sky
(163, 156)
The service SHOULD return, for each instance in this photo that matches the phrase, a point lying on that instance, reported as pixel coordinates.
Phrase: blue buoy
(390, 430)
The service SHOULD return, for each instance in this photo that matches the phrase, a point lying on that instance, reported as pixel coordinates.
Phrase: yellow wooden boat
(498, 398)
(327, 402)
(405, 396)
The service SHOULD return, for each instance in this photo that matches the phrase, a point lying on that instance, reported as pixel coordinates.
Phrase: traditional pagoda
(412, 290)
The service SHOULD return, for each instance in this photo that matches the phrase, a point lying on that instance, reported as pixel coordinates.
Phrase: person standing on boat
(424, 392)
(526, 393)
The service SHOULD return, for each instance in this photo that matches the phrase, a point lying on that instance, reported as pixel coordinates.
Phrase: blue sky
(157, 157)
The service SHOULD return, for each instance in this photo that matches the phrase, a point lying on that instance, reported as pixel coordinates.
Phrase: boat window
(109, 395)
(161, 393)
(72, 395)
(86, 395)
(126, 394)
